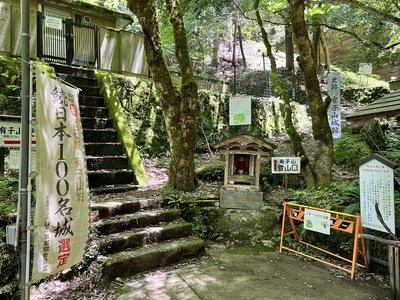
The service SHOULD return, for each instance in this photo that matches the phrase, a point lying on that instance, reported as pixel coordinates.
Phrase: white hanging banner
(334, 116)
(61, 225)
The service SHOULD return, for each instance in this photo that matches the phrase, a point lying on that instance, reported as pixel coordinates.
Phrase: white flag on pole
(61, 225)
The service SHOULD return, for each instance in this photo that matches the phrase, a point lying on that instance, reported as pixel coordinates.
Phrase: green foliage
(8, 257)
(10, 86)
(211, 172)
(253, 83)
(141, 109)
(190, 212)
(146, 122)
(374, 136)
(350, 149)
(8, 195)
(336, 197)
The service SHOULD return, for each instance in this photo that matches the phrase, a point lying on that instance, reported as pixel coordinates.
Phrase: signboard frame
(240, 111)
(377, 187)
(10, 132)
(285, 165)
(346, 223)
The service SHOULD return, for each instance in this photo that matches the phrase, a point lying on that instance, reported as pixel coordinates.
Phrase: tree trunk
(234, 56)
(179, 113)
(240, 37)
(327, 60)
(182, 174)
(215, 50)
(289, 50)
(323, 159)
(317, 48)
(295, 139)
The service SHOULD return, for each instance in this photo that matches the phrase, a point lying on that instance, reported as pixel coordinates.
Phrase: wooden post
(2, 158)
(394, 271)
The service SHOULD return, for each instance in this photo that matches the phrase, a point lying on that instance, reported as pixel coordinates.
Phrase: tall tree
(295, 138)
(316, 172)
(323, 160)
(179, 111)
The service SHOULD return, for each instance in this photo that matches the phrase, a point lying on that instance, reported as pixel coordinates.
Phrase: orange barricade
(346, 223)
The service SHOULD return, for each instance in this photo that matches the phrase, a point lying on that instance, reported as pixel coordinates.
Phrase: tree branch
(369, 9)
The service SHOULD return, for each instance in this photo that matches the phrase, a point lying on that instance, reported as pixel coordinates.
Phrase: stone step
(128, 263)
(71, 70)
(110, 178)
(93, 112)
(208, 203)
(86, 100)
(89, 90)
(80, 80)
(142, 237)
(96, 123)
(97, 149)
(100, 135)
(124, 205)
(116, 188)
(136, 220)
(106, 162)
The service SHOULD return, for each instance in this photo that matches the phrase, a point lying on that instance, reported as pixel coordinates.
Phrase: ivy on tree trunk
(295, 139)
(323, 158)
(179, 111)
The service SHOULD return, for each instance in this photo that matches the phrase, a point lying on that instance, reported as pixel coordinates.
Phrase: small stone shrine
(243, 153)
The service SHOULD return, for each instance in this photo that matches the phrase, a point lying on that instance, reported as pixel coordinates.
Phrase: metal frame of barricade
(351, 225)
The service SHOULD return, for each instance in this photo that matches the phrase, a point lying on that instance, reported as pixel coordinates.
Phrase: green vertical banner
(61, 226)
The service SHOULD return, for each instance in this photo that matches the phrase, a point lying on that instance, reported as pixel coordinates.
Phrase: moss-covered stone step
(106, 162)
(86, 100)
(93, 111)
(128, 263)
(89, 90)
(79, 80)
(99, 135)
(137, 220)
(125, 205)
(116, 188)
(73, 71)
(140, 237)
(96, 123)
(109, 148)
(208, 203)
(110, 178)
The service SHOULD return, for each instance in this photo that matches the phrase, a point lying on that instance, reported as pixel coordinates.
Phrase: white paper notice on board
(377, 186)
(240, 111)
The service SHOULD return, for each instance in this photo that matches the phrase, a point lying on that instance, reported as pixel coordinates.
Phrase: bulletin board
(323, 221)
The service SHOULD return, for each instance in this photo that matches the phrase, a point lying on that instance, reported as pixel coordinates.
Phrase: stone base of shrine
(241, 199)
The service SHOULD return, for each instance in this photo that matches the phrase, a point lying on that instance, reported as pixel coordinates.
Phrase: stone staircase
(108, 168)
(135, 234)
(138, 235)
